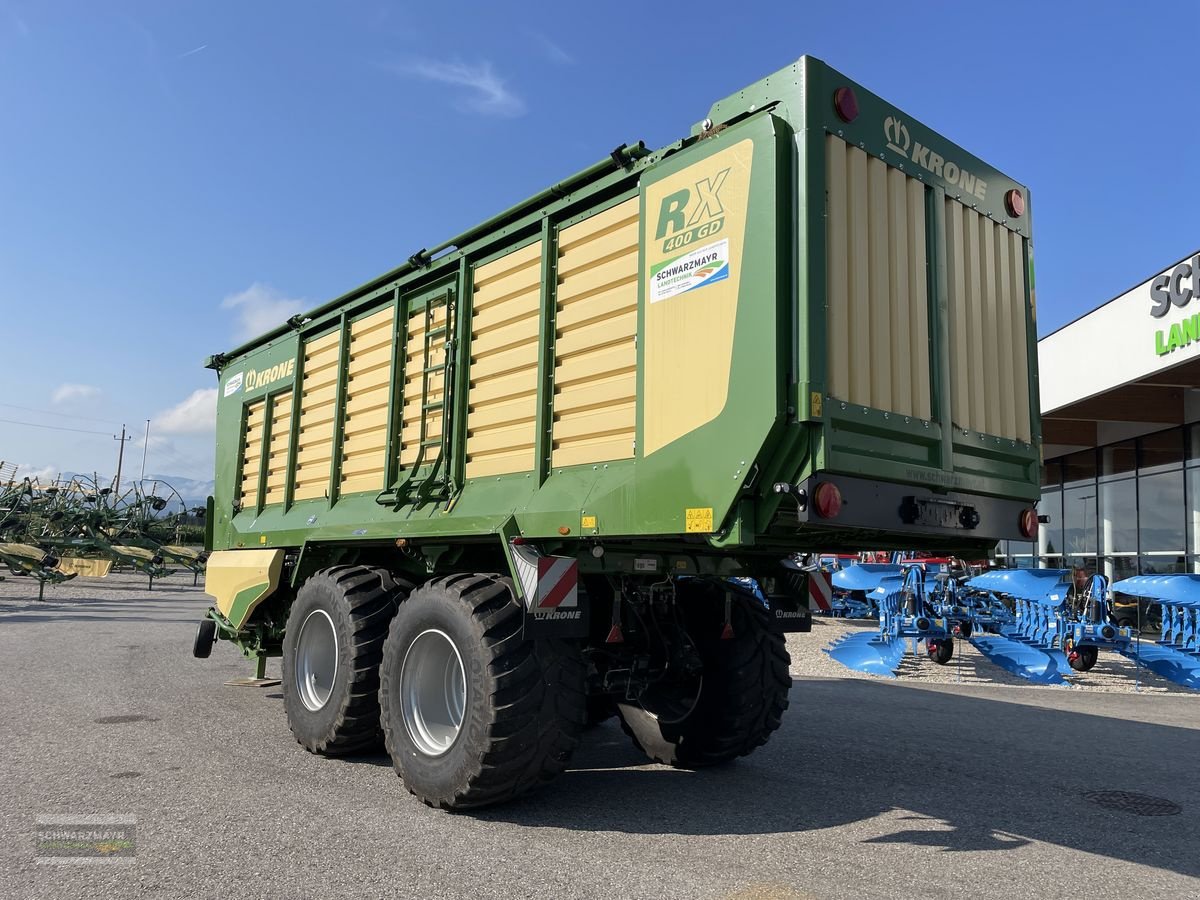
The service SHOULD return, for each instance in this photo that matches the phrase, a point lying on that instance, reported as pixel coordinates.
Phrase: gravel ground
(872, 788)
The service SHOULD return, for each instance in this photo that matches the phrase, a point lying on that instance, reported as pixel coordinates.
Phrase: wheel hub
(316, 660)
(433, 692)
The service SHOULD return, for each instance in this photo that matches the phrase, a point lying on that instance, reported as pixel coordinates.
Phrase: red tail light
(827, 500)
(1015, 203)
(1029, 523)
(845, 104)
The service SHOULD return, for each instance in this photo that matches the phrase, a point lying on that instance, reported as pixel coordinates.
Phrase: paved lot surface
(872, 789)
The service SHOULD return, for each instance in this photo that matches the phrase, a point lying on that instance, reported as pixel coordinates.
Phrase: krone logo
(896, 133)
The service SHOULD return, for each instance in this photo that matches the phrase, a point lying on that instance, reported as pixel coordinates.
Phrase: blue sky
(174, 175)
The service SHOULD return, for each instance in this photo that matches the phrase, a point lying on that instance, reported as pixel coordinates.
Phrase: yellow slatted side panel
(595, 351)
(877, 315)
(985, 266)
(502, 398)
(410, 411)
(252, 449)
(314, 450)
(364, 428)
(281, 437)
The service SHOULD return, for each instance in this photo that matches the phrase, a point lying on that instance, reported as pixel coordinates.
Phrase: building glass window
(1080, 545)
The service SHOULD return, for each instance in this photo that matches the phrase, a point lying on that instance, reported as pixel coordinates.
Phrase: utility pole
(120, 459)
(142, 477)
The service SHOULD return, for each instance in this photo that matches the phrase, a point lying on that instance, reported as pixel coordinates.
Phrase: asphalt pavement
(872, 789)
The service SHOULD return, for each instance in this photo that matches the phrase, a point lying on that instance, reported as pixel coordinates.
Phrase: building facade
(1120, 398)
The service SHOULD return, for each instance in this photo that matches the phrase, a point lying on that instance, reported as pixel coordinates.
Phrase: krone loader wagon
(501, 491)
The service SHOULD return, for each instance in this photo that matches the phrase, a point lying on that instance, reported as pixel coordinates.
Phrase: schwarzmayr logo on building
(1168, 290)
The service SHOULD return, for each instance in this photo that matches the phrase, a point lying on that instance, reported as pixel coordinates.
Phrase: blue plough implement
(1176, 655)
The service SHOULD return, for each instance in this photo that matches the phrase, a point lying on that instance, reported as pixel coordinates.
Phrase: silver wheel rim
(433, 692)
(316, 659)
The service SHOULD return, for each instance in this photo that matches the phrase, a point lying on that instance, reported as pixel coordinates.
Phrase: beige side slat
(598, 278)
(367, 420)
(610, 302)
(837, 309)
(582, 452)
(324, 342)
(898, 289)
(317, 390)
(316, 359)
(527, 278)
(1004, 333)
(498, 268)
(514, 334)
(878, 289)
(616, 419)
(602, 223)
(597, 334)
(588, 253)
(597, 392)
(959, 341)
(372, 441)
(318, 403)
(992, 422)
(500, 464)
(1020, 355)
(500, 438)
(918, 299)
(509, 386)
(363, 360)
(364, 464)
(378, 321)
(593, 363)
(317, 381)
(376, 379)
(977, 410)
(495, 316)
(513, 360)
(521, 409)
(858, 279)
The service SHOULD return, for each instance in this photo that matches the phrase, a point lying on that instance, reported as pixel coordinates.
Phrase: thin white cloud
(65, 393)
(552, 51)
(261, 308)
(196, 414)
(43, 474)
(485, 92)
(193, 51)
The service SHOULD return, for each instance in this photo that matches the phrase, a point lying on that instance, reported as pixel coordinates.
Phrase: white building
(1120, 399)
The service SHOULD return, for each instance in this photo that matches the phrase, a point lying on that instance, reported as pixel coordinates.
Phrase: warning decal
(699, 268)
(698, 520)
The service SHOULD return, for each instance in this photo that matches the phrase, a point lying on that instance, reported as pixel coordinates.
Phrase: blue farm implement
(908, 611)
(1176, 655)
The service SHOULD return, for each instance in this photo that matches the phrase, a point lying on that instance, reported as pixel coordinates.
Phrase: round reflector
(1015, 202)
(827, 500)
(845, 104)
(1029, 523)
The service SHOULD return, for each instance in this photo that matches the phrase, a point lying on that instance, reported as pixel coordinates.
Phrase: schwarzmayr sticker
(703, 266)
(234, 384)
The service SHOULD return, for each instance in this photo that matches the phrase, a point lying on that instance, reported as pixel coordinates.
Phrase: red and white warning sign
(820, 590)
(558, 582)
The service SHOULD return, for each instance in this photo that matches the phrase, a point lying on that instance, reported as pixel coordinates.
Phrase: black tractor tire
(743, 685)
(1083, 658)
(359, 602)
(523, 702)
(206, 636)
(941, 651)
